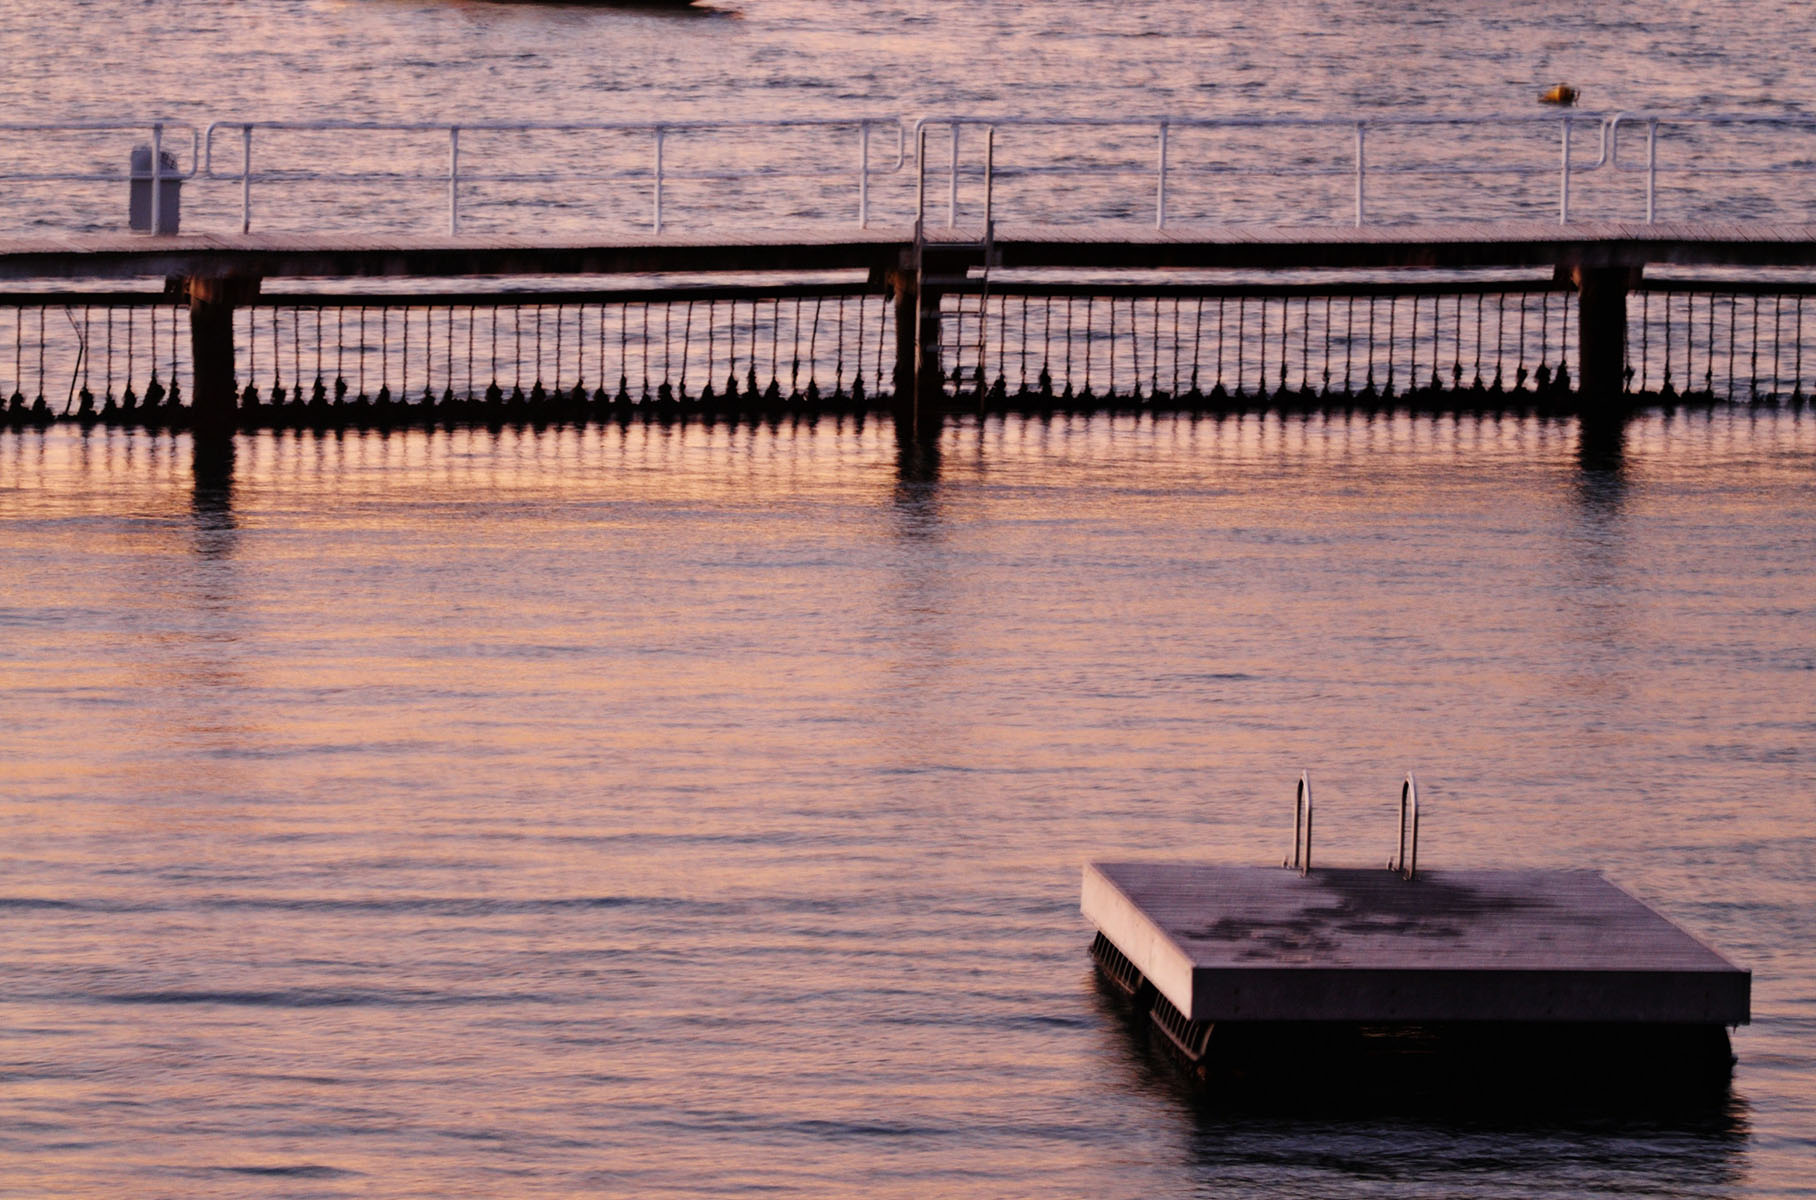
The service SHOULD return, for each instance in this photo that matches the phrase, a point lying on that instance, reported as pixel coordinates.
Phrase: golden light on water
(697, 808)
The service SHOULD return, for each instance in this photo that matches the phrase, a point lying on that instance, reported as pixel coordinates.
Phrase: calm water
(700, 811)
(463, 60)
(418, 60)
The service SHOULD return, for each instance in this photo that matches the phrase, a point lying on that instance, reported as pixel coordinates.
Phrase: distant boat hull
(645, 4)
(627, 5)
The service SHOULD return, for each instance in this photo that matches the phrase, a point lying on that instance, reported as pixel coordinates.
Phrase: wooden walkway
(1445, 246)
(1601, 263)
(267, 256)
(1249, 944)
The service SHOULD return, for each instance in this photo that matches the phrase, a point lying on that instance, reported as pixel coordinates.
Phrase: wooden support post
(919, 383)
(906, 286)
(1601, 329)
(215, 397)
(929, 371)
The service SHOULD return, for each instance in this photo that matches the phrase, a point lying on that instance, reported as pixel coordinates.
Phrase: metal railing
(1407, 865)
(155, 131)
(1302, 826)
(369, 358)
(658, 174)
(775, 349)
(1653, 124)
(1355, 165)
(1166, 154)
(1051, 344)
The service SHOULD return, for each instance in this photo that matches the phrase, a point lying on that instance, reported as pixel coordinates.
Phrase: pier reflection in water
(213, 459)
(681, 808)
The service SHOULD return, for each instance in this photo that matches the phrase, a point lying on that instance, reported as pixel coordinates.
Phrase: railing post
(1361, 169)
(214, 398)
(952, 183)
(157, 178)
(1160, 182)
(246, 179)
(920, 183)
(1601, 334)
(453, 181)
(1408, 866)
(657, 219)
(989, 193)
(1301, 860)
(864, 175)
(1651, 170)
(1563, 194)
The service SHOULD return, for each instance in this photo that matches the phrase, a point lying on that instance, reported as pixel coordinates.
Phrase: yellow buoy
(1561, 93)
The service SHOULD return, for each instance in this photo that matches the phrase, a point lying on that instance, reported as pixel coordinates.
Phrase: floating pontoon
(1514, 972)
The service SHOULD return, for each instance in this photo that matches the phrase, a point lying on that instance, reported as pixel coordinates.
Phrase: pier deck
(1246, 944)
(1453, 245)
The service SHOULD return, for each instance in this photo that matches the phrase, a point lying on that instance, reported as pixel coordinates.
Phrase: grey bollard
(170, 201)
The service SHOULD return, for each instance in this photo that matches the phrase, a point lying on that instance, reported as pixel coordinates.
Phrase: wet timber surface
(1457, 244)
(1229, 943)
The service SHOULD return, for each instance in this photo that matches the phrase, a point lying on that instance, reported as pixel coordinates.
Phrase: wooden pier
(1452, 245)
(1596, 267)
(1238, 964)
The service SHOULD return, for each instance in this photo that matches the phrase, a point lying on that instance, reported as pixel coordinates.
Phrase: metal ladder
(1405, 863)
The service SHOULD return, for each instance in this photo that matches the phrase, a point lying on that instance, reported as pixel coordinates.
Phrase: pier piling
(928, 394)
(1601, 296)
(211, 305)
(904, 285)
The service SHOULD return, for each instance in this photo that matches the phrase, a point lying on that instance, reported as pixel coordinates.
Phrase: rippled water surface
(469, 61)
(701, 810)
(695, 811)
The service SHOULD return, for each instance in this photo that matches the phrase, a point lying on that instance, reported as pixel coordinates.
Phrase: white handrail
(658, 175)
(1302, 826)
(453, 180)
(1654, 122)
(1465, 149)
(1408, 863)
(1361, 170)
(1357, 166)
(155, 130)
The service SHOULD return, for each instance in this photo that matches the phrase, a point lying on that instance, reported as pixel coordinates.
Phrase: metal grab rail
(1654, 122)
(1465, 147)
(1302, 827)
(658, 174)
(1357, 166)
(1408, 862)
(156, 128)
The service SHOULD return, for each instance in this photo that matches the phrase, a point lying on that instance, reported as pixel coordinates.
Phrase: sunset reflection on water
(691, 809)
